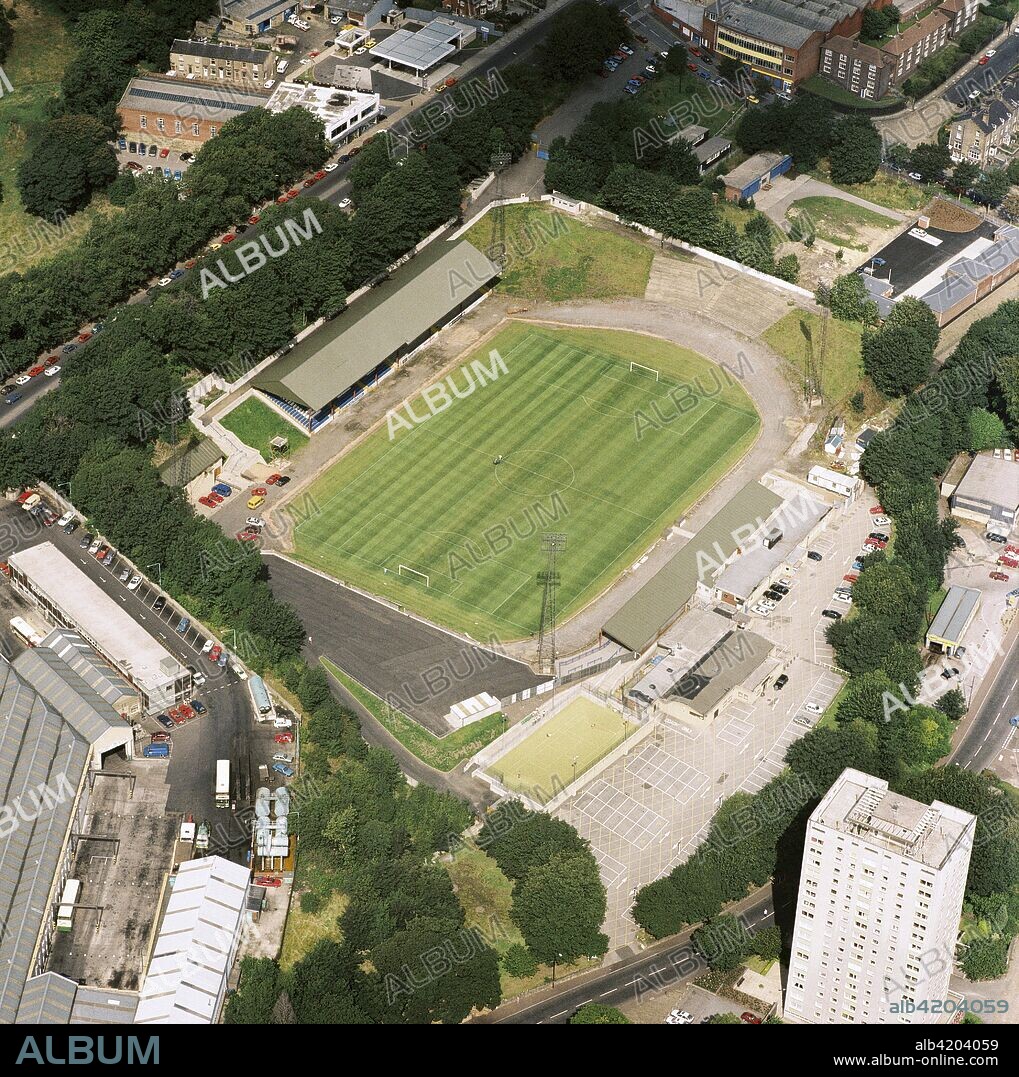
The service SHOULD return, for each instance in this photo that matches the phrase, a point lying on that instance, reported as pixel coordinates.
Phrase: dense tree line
(614, 161)
(880, 728)
(6, 34)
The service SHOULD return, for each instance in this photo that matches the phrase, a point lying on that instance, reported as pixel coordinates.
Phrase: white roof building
(344, 112)
(74, 601)
(194, 952)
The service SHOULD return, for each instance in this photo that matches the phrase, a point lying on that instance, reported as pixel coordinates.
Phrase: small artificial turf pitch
(542, 764)
(588, 446)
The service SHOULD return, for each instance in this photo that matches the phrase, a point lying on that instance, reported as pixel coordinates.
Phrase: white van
(282, 66)
(282, 723)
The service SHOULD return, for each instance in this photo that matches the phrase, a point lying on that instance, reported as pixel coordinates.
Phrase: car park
(164, 720)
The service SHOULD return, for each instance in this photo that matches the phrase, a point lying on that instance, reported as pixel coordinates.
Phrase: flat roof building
(339, 362)
(343, 113)
(254, 17)
(754, 174)
(954, 616)
(988, 493)
(73, 601)
(192, 956)
(421, 50)
(881, 889)
(969, 280)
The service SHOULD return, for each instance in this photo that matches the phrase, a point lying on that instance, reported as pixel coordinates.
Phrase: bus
(65, 913)
(25, 632)
(222, 783)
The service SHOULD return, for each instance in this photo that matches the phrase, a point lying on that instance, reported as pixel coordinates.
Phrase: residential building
(963, 14)
(755, 174)
(162, 110)
(878, 908)
(229, 65)
(919, 42)
(983, 134)
(861, 69)
(473, 9)
(73, 601)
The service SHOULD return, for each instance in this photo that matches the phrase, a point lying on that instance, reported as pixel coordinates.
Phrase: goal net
(644, 371)
(412, 573)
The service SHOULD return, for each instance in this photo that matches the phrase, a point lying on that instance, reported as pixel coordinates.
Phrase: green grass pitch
(564, 418)
(541, 764)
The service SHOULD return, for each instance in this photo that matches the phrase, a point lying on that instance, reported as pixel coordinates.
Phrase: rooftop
(852, 46)
(862, 805)
(189, 100)
(752, 168)
(954, 614)
(991, 479)
(238, 54)
(97, 616)
(395, 313)
(326, 102)
(929, 24)
(729, 663)
(783, 22)
(253, 10)
(190, 461)
(421, 49)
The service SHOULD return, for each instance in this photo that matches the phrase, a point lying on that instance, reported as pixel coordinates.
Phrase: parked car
(124, 575)
(86, 540)
(159, 738)
(100, 554)
(800, 720)
(51, 371)
(159, 604)
(749, 1018)
(164, 720)
(878, 536)
(781, 681)
(255, 521)
(949, 672)
(282, 768)
(273, 479)
(877, 510)
(1002, 577)
(183, 625)
(282, 757)
(268, 880)
(215, 652)
(813, 555)
(198, 706)
(135, 583)
(832, 615)
(207, 502)
(1008, 562)
(781, 588)
(679, 1017)
(284, 738)
(208, 645)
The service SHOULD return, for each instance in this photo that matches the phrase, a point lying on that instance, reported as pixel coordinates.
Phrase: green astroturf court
(542, 764)
(606, 452)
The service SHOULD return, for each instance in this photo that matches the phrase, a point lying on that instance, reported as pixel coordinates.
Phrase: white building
(879, 903)
(344, 113)
(71, 600)
(836, 481)
(197, 943)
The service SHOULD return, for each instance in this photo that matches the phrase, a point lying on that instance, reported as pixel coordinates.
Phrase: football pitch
(602, 436)
(581, 734)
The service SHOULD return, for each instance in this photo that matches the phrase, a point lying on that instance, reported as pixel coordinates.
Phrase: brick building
(861, 69)
(981, 136)
(230, 65)
(163, 110)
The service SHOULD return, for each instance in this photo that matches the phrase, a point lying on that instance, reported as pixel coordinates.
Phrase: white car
(96, 543)
(208, 645)
(51, 370)
(814, 708)
(360, 50)
(331, 167)
(23, 379)
(268, 84)
(66, 518)
(804, 721)
(336, 20)
(679, 1017)
(282, 757)
(255, 521)
(165, 281)
(990, 52)
(881, 521)
(198, 678)
(135, 583)
(916, 176)
(842, 596)
(761, 610)
(344, 203)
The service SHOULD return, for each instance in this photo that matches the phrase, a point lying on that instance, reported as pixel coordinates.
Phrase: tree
(593, 1013)
(811, 130)
(986, 430)
(767, 943)
(71, 160)
(899, 356)
(259, 988)
(964, 175)
(992, 186)
(929, 160)
(559, 908)
(822, 755)
(6, 34)
(579, 39)
(952, 704)
(1010, 205)
(723, 942)
(675, 63)
(856, 153)
(986, 959)
(519, 961)
(728, 68)
(847, 299)
(657, 909)
(723, 1019)
(518, 839)
(898, 155)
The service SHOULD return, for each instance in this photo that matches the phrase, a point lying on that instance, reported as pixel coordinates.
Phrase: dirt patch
(951, 217)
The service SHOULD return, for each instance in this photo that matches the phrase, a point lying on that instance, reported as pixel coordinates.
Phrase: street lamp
(158, 566)
(559, 956)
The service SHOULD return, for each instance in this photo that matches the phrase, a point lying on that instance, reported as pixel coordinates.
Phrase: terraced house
(982, 135)
(229, 65)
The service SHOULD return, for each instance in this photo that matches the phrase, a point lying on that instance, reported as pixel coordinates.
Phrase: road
(988, 732)
(986, 76)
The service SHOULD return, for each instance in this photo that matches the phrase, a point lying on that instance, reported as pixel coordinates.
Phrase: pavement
(784, 192)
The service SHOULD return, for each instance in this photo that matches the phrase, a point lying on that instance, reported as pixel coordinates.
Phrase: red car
(293, 193)
(878, 510)
(207, 502)
(164, 153)
(54, 359)
(160, 738)
(273, 479)
(320, 175)
(261, 491)
(176, 716)
(983, 60)
(879, 543)
(1008, 562)
(229, 237)
(189, 264)
(695, 52)
(216, 499)
(84, 338)
(215, 653)
(35, 371)
(247, 536)
(254, 219)
(850, 578)
(1002, 577)
(284, 738)
(186, 711)
(267, 880)
(310, 182)
(1012, 549)
(282, 200)
(102, 552)
(749, 1018)
(692, 67)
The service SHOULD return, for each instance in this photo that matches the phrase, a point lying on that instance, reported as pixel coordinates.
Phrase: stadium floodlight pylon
(553, 543)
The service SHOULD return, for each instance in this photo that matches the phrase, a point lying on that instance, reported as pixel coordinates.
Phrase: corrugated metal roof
(393, 314)
(187, 99)
(954, 614)
(89, 665)
(642, 617)
(47, 1000)
(188, 463)
(38, 751)
(191, 958)
(102, 1006)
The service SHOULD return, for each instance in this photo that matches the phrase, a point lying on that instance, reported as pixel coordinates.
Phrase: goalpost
(412, 573)
(641, 369)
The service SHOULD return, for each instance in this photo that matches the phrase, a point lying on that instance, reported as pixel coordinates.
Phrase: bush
(519, 961)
